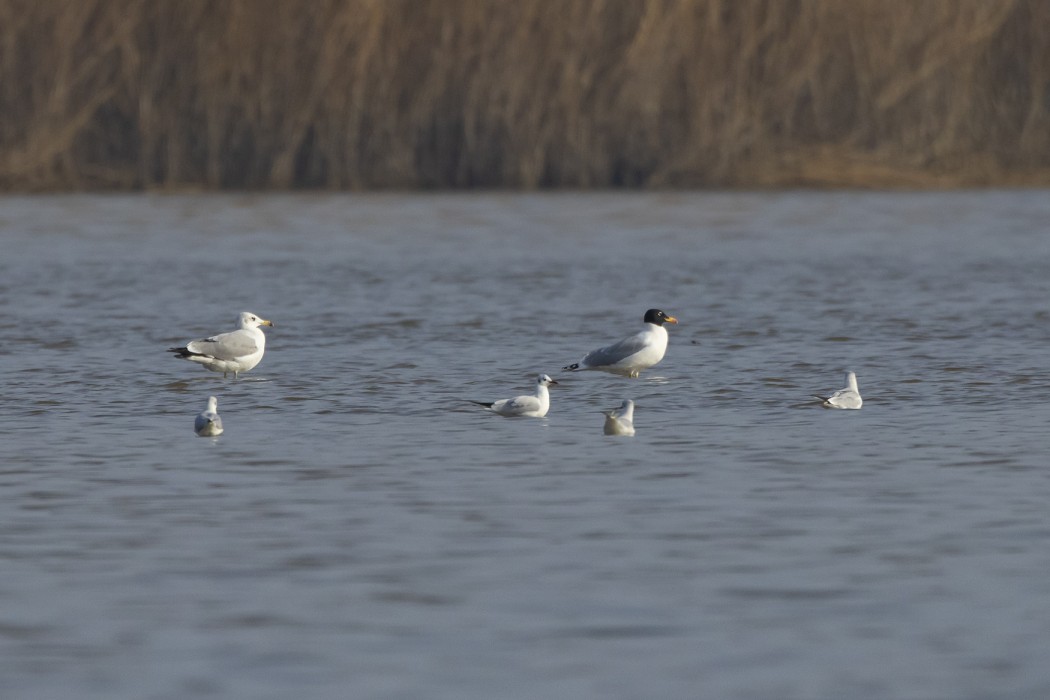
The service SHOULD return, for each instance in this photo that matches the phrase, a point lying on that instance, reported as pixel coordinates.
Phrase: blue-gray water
(362, 531)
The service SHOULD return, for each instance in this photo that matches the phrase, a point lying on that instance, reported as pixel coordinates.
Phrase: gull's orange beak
(671, 319)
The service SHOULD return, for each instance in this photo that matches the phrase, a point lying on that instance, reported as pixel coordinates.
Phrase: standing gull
(208, 423)
(236, 351)
(844, 398)
(620, 421)
(529, 406)
(634, 353)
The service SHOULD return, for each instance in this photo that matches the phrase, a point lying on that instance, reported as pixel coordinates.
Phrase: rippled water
(361, 530)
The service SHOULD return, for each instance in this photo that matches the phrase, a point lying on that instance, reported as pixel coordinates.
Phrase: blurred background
(364, 94)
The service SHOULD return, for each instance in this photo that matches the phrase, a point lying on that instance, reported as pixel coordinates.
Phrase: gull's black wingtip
(573, 367)
(185, 353)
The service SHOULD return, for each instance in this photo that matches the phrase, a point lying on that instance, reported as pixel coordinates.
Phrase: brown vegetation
(348, 94)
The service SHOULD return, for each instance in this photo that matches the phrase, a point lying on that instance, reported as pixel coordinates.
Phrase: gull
(634, 353)
(532, 406)
(236, 351)
(844, 398)
(620, 421)
(208, 423)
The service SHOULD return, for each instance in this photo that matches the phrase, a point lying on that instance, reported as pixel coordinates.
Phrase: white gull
(620, 421)
(531, 406)
(849, 397)
(236, 351)
(208, 422)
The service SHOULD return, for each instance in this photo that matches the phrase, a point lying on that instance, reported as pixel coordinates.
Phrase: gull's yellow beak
(671, 319)
(268, 323)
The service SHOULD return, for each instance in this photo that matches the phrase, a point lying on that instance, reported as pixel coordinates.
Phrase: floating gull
(844, 398)
(529, 406)
(634, 353)
(208, 423)
(620, 421)
(236, 351)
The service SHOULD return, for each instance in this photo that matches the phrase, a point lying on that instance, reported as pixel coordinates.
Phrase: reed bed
(361, 94)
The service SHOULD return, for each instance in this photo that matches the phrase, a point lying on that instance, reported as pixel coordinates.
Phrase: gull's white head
(851, 381)
(625, 411)
(249, 320)
(544, 380)
(213, 404)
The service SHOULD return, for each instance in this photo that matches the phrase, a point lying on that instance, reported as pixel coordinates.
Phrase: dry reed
(352, 94)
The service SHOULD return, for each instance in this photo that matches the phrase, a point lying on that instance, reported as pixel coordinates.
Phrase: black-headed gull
(634, 353)
(531, 406)
(236, 351)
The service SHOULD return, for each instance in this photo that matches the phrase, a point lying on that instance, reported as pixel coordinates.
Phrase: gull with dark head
(237, 351)
(531, 406)
(849, 397)
(634, 353)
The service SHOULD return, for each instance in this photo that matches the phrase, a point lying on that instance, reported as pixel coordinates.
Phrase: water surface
(361, 530)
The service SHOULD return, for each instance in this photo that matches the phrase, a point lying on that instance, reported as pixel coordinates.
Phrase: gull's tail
(482, 403)
(574, 367)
